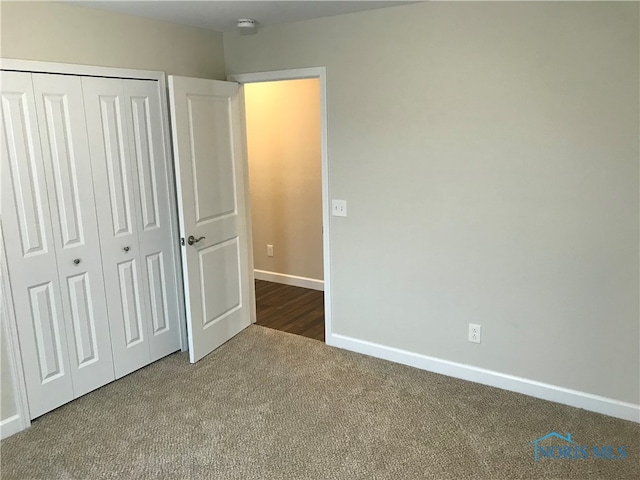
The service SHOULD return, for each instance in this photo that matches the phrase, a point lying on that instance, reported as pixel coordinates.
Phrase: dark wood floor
(290, 309)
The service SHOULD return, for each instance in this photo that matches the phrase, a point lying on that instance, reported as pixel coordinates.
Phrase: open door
(210, 164)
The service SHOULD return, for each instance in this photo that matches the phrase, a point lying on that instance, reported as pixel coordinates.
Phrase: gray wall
(489, 156)
(59, 32)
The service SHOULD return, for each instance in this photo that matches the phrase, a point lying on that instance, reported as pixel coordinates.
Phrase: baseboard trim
(11, 425)
(565, 396)
(292, 280)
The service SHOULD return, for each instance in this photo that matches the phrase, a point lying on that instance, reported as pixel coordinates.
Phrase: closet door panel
(154, 227)
(115, 185)
(128, 277)
(30, 248)
(60, 109)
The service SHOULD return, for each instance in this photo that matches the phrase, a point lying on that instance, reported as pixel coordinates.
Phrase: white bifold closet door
(86, 216)
(50, 230)
(65, 152)
(129, 163)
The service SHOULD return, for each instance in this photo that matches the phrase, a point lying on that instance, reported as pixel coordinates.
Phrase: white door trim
(21, 419)
(297, 74)
(35, 66)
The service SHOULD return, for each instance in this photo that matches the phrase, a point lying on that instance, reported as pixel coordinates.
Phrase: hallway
(290, 309)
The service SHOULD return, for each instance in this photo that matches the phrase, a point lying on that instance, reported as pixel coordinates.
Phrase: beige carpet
(270, 405)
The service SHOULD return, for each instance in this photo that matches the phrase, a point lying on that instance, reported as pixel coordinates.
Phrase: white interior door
(30, 247)
(210, 154)
(156, 233)
(65, 150)
(116, 202)
(126, 139)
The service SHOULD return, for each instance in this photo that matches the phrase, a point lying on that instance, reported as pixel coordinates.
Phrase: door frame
(299, 74)
(21, 419)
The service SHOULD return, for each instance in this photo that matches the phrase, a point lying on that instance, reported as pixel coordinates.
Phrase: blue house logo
(549, 452)
(568, 449)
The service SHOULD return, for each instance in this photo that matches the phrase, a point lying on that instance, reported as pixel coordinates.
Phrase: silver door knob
(76, 261)
(191, 240)
(126, 249)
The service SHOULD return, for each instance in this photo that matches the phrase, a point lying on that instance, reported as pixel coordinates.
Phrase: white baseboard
(11, 425)
(292, 280)
(565, 396)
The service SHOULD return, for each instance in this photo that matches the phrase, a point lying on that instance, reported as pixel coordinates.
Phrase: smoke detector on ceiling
(247, 26)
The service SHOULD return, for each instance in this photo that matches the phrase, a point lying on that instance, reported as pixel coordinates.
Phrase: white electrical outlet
(269, 250)
(339, 208)
(475, 332)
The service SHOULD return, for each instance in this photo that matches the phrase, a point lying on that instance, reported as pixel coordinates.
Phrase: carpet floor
(271, 405)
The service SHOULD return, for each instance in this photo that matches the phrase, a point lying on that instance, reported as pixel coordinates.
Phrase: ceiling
(223, 15)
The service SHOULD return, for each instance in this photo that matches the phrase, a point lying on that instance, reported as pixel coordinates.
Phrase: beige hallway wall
(60, 32)
(488, 152)
(283, 137)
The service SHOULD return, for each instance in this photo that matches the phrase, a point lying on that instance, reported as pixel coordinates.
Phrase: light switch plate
(339, 208)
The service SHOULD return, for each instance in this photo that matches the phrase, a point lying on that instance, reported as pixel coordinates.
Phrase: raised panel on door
(115, 184)
(154, 226)
(30, 247)
(60, 109)
(209, 149)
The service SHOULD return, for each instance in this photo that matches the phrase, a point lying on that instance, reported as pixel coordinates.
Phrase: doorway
(285, 117)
